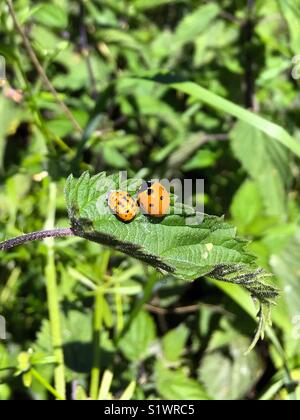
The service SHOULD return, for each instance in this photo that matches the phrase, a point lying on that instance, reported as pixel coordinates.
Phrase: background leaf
(266, 162)
(229, 374)
(175, 385)
(174, 343)
(187, 251)
(162, 89)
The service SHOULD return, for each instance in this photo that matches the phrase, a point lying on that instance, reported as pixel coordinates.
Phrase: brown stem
(34, 236)
(40, 69)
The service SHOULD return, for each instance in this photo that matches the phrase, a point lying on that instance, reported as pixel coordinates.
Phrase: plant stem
(40, 69)
(34, 236)
(53, 301)
(97, 325)
(139, 304)
(45, 384)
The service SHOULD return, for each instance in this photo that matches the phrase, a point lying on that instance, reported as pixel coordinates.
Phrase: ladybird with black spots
(122, 205)
(154, 200)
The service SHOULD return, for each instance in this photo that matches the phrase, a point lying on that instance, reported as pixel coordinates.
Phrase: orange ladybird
(154, 200)
(122, 205)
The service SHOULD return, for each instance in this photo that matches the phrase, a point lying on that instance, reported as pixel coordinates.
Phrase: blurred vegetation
(155, 337)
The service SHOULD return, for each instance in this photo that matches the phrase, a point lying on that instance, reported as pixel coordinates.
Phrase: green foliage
(174, 343)
(229, 376)
(175, 385)
(286, 266)
(141, 334)
(267, 163)
(160, 88)
(176, 244)
(197, 91)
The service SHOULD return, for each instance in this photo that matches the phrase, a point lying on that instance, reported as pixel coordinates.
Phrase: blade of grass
(82, 279)
(40, 69)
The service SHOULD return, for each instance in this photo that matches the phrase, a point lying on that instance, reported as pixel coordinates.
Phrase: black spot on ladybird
(150, 191)
(161, 198)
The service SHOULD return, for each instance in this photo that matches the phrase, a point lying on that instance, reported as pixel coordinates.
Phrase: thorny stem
(34, 236)
(40, 69)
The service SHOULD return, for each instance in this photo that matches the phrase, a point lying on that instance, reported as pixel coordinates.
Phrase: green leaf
(135, 344)
(267, 163)
(174, 342)
(5, 392)
(60, 126)
(286, 266)
(175, 385)
(152, 106)
(202, 159)
(247, 204)
(123, 39)
(151, 4)
(45, 40)
(228, 374)
(25, 14)
(114, 158)
(256, 152)
(77, 339)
